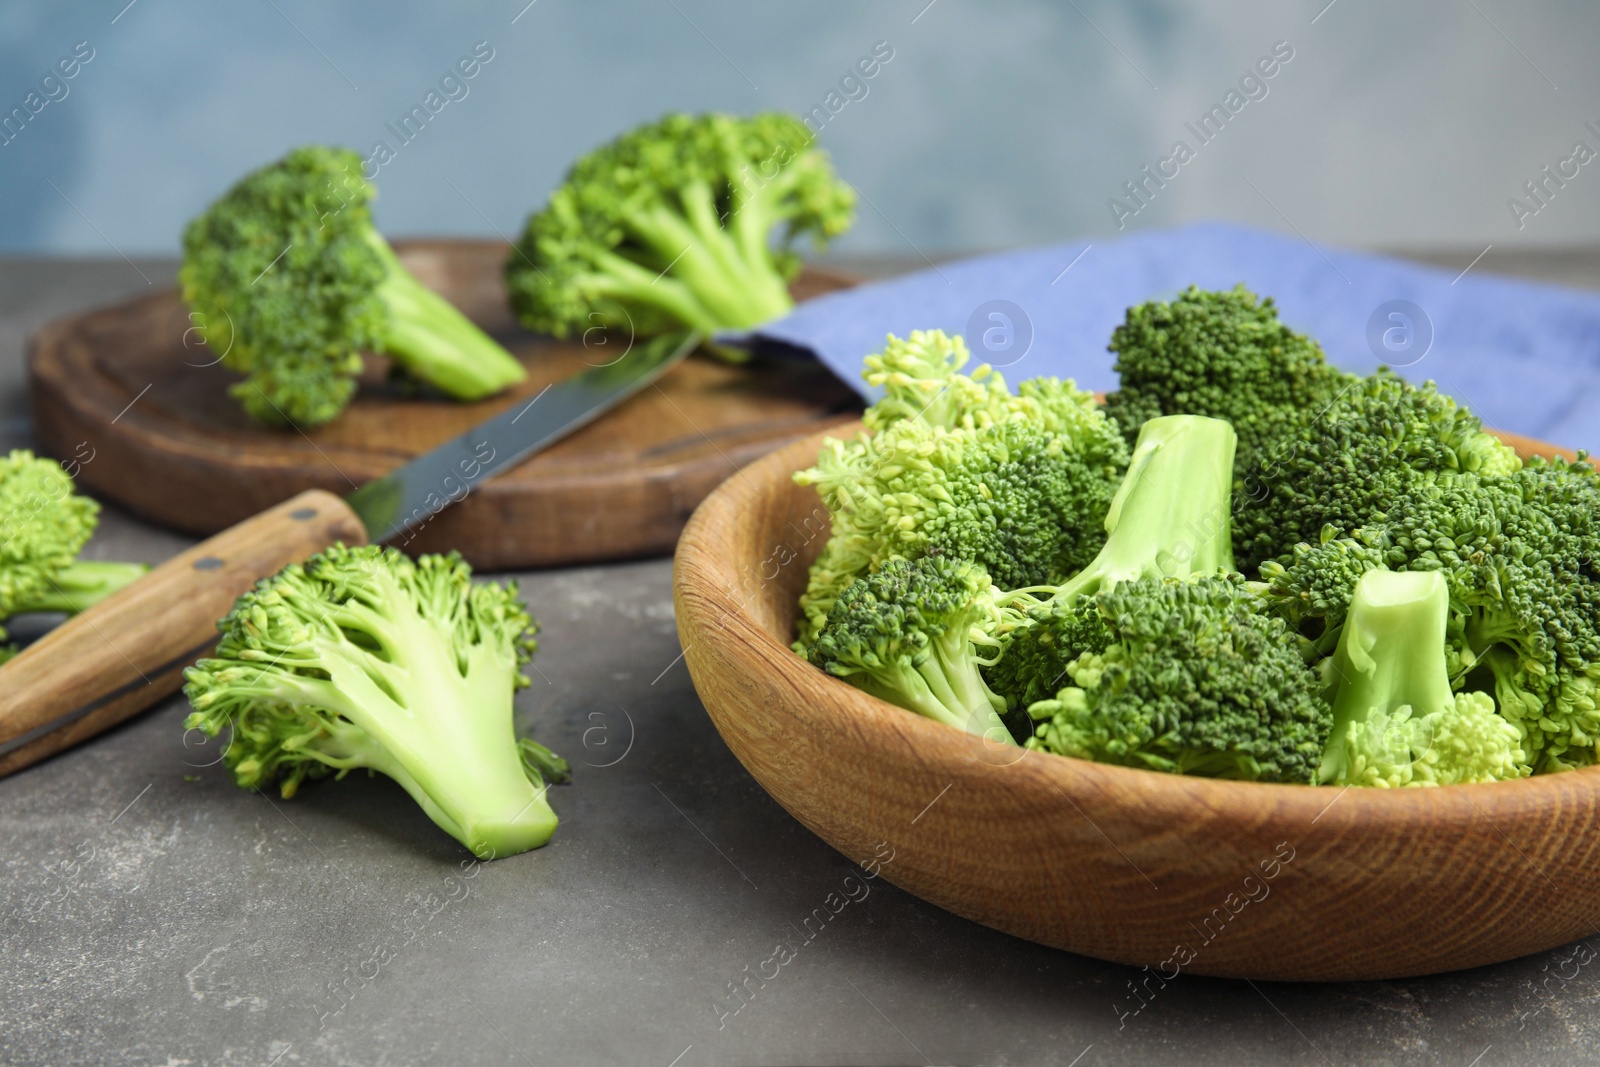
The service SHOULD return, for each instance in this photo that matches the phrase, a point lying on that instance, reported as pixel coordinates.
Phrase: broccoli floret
(688, 221)
(1223, 354)
(1349, 460)
(1518, 553)
(1169, 519)
(44, 524)
(1018, 483)
(1198, 679)
(291, 281)
(1396, 721)
(909, 634)
(361, 657)
(1038, 640)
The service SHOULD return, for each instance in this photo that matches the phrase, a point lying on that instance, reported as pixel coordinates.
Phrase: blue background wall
(995, 124)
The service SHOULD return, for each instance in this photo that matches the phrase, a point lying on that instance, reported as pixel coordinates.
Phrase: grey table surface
(153, 913)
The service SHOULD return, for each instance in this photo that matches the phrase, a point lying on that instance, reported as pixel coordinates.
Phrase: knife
(129, 651)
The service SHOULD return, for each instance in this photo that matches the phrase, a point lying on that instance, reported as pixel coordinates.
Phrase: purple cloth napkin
(1524, 356)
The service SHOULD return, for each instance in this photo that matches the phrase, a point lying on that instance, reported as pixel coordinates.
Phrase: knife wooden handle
(129, 651)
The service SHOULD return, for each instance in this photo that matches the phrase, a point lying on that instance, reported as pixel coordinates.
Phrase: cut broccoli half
(688, 222)
(290, 281)
(910, 634)
(1199, 678)
(363, 658)
(1396, 721)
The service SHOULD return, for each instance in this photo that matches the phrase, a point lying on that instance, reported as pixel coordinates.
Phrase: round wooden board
(122, 386)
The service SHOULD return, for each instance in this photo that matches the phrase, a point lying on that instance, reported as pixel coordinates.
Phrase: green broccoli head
(686, 222)
(363, 658)
(1039, 640)
(1199, 678)
(290, 282)
(1223, 354)
(1517, 553)
(910, 634)
(44, 524)
(1351, 459)
(1396, 721)
(1016, 482)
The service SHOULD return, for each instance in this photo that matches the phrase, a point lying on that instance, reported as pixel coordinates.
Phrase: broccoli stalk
(909, 635)
(1171, 517)
(362, 658)
(672, 226)
(1395, 720)
(80, 585)
(290, 281)
(434, 342)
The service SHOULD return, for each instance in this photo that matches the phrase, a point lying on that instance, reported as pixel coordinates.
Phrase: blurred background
(1397, 125)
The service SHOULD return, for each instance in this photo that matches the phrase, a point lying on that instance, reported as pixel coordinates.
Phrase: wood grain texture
(127, 652)
(1132, 866)
(134, 383)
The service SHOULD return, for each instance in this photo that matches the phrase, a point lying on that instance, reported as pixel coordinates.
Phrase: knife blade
(404, 500)
(128, 651)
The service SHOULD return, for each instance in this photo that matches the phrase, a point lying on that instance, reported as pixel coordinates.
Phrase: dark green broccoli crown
(1223, 354)
(283, 272)
(1045, 639)
(1200, 679)
(673, 224)
(1022, 504)
(908, 634)
(1518, 553)
(307, 647)
(893, 618)
(44, 524)
(1350, 460)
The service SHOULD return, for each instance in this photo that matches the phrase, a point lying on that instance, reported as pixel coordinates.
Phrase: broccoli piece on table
(361, 657)
(291, 282)
(910, 633)
(44, 524)
(1396, 721)
(1199, 678)
(1349, 460)
(686, 222)
(1018, 483)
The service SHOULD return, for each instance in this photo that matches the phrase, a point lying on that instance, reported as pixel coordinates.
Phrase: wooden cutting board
(132, 389)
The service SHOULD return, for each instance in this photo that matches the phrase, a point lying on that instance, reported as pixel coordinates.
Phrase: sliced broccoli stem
(435, 342)
(1391, 654)
(1172, 516)
(449, 742)
(81, 585)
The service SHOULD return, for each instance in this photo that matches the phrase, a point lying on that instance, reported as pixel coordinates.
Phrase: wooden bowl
(1176, 874)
